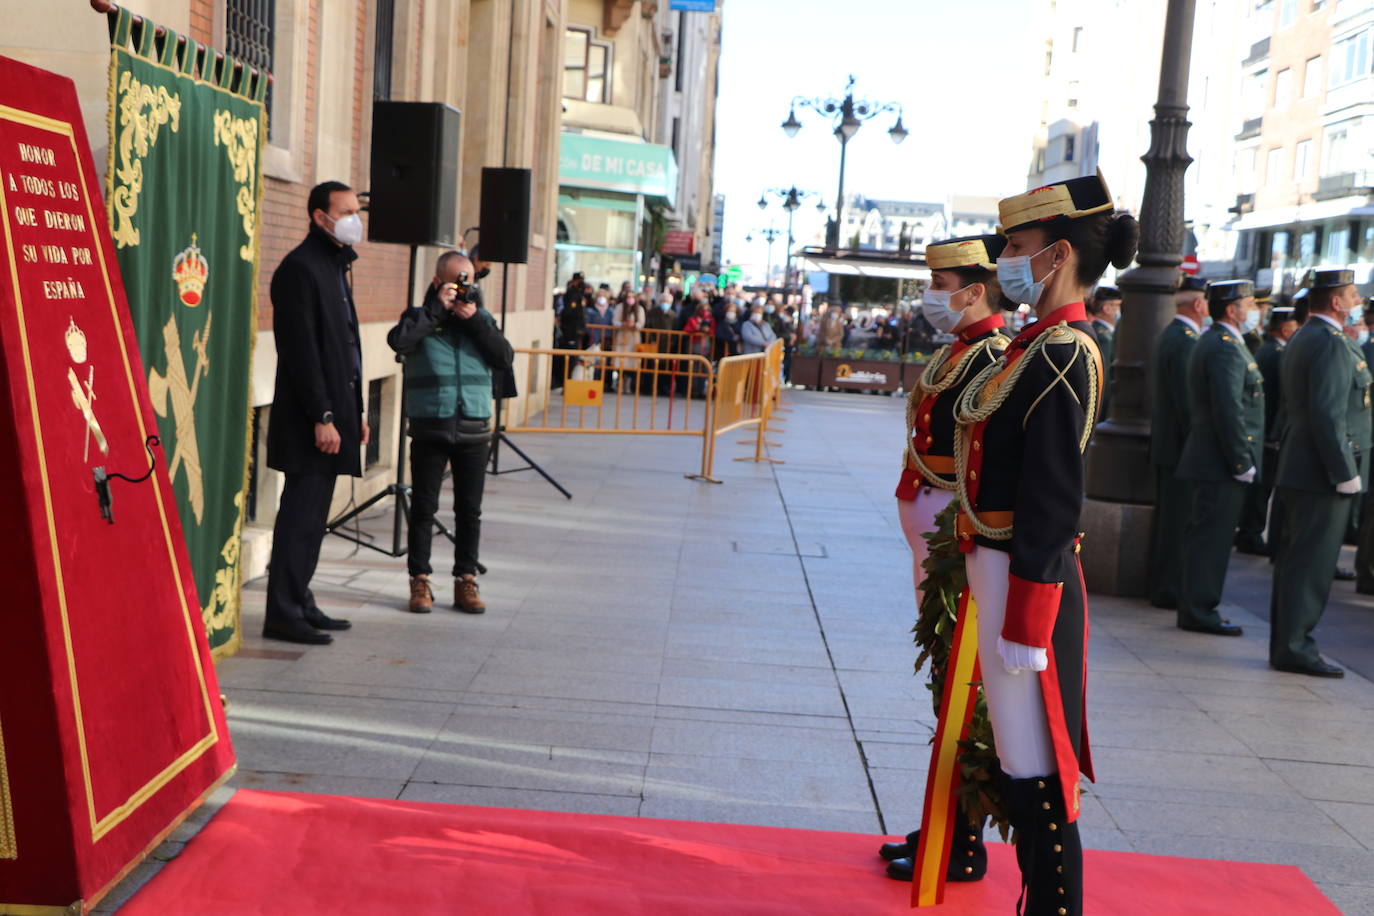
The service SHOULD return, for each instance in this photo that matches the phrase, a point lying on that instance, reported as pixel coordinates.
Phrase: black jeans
(427, 465)
(296, 539)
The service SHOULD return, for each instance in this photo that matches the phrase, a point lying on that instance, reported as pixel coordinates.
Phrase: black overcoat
(318, 359)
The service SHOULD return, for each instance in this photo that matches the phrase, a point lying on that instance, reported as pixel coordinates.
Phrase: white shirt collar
(1329, 320)
(1189, 322)
(1230, 327)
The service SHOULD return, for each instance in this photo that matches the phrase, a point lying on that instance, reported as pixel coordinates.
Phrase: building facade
(496, 61)
(897, 225)
(638, 136)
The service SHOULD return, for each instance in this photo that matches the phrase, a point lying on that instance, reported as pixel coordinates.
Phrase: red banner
(111, 726)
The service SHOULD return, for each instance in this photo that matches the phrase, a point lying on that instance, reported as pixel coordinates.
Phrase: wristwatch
(327, 417)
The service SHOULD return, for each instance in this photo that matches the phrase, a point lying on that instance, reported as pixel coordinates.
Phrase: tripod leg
(534, 465)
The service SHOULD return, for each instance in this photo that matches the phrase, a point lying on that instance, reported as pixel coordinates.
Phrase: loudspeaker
(505, 220)
(414, 192)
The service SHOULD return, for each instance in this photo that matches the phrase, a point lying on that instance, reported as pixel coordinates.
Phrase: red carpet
(279, 853)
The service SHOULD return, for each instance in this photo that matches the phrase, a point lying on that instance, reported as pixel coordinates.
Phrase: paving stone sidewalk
(666, 648)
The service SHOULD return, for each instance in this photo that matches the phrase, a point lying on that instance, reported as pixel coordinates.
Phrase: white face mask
(601, 302)
(1250, 322)
(730, 315)
(665, 305)
(757, 318)
(1017, 280)
(1362, 336)
(935, 308)
(348, 230)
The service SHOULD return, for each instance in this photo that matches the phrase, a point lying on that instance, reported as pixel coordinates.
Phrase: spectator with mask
(572, 320)
(628, 319)
(600, 313)
(727, 332)
(757, 333)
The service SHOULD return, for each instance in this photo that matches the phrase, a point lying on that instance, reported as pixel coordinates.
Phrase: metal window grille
(251, 507)
(250, 35)
(381, 54)
(374, 420)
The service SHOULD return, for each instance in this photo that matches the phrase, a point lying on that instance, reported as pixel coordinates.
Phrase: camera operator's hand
(463, 310)
(448, 295)
(327, 438)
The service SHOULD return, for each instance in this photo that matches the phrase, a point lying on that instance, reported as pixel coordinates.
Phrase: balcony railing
(1258, 52)
(1251, 128)
(1344, 184)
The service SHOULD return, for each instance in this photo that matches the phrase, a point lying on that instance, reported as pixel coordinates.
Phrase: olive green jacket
(1169, 414)
(1326, 425)
(1227, 397)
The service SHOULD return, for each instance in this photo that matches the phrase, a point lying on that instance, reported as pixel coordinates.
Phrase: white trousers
(1016, 704)
(918, 517)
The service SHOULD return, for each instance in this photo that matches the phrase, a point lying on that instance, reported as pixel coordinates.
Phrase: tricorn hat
(1070, 199)
(970, 251)
(1330, 279)
(1229, 290)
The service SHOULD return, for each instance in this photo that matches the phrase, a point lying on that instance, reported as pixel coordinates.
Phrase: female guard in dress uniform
(964, 300)
(1023, 425)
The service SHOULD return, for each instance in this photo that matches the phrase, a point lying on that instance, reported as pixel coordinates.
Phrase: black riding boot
(968, 857)
(1047, 848)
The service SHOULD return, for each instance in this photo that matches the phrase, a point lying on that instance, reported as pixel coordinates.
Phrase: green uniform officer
(1168, 431)
(1321, 465)
(1250, 538)
(1105, 311)
(1222, 453)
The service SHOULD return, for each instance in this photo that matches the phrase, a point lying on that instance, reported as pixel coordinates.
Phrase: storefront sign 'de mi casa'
(613, 165)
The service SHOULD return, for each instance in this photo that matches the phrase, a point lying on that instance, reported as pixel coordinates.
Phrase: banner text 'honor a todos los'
(184, 193)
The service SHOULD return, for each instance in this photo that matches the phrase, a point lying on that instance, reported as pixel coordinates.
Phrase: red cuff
(1032, 608)
(906, 487)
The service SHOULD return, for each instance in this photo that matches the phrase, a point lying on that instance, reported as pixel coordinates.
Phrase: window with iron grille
(250, 35)
(381, 53)
(374, 421)
(251, 497)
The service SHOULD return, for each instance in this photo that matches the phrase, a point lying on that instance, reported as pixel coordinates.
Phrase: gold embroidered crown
(76, 342)
(189, 271)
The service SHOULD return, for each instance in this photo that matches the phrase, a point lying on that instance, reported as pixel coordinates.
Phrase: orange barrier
(639, 392)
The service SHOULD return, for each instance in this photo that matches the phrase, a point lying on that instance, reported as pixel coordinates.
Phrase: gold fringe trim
(9, 844)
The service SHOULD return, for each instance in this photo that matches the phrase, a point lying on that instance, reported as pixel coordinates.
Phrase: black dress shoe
(322, 621)
(295, 631)
(1319, 668)
(1344, 575)
(1225, 628)
(904, 850)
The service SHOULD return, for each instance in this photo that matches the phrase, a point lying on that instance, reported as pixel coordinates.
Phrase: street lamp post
(771, 234)
(791, 201)
(847, 115)
(1120, 479)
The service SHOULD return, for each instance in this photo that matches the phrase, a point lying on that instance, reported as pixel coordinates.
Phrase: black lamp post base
(1115, 555)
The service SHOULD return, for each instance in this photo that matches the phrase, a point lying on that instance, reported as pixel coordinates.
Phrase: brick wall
(203, 21)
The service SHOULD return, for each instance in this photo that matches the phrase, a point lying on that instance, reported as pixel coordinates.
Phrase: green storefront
(605, 186)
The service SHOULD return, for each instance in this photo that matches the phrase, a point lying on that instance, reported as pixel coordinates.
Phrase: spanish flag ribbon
(941, 809)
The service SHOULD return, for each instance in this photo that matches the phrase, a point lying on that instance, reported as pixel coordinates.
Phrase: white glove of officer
(1247, 477)
(1350, 487)
(1017, 657)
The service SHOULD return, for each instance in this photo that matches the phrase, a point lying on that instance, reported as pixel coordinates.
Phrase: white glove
(1350, 487)
(1247, 477)
(1017, 657)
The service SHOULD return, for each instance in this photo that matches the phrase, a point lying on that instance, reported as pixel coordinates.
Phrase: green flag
(185, 188)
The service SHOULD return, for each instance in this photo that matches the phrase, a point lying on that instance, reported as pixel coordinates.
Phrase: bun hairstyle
(1099, 239)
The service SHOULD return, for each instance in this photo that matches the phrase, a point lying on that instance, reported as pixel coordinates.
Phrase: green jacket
(1169, 414)
(1268, 357)
(1326, 409)
(1227, 397)
(1106, 343)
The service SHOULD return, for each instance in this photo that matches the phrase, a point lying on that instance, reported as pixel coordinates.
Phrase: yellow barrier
(638, 392)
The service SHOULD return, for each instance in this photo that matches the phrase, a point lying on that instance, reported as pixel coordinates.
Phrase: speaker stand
(500, 437)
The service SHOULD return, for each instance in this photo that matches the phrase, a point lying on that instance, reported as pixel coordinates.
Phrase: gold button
(1250, 438)
(977, 446)
(1058, 848)
(1063, 912)
(1040, 783)
(1061, 890)
(1045, 805)
(930, 440)
(969, 853)
(972, 475)
(1055, 827)
(968, 869)
(972, 839)
(927, 418)
(1060, 869)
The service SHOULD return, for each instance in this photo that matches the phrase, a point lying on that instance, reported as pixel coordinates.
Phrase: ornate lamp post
(847, 115)
(1119, 470)
(791, 201)
(770, 234)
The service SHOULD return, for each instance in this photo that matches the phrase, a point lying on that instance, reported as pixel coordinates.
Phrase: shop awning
(627, 166)
(890, 264)
(1306, 213)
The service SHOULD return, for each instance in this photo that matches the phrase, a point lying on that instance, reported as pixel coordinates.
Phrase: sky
(957, 67)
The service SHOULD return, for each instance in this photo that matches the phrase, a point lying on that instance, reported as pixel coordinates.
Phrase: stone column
(1120, 478)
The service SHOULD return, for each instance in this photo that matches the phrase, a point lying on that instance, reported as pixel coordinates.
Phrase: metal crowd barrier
(641, 392)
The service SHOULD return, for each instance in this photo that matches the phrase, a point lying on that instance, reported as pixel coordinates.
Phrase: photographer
(452, 347)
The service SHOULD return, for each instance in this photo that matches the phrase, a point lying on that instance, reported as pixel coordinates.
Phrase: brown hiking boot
(421, 595)
(465, 597)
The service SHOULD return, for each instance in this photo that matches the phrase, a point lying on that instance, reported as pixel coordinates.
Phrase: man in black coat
(317, 427)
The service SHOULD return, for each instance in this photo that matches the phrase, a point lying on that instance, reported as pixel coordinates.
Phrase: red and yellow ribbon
(956, 711)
